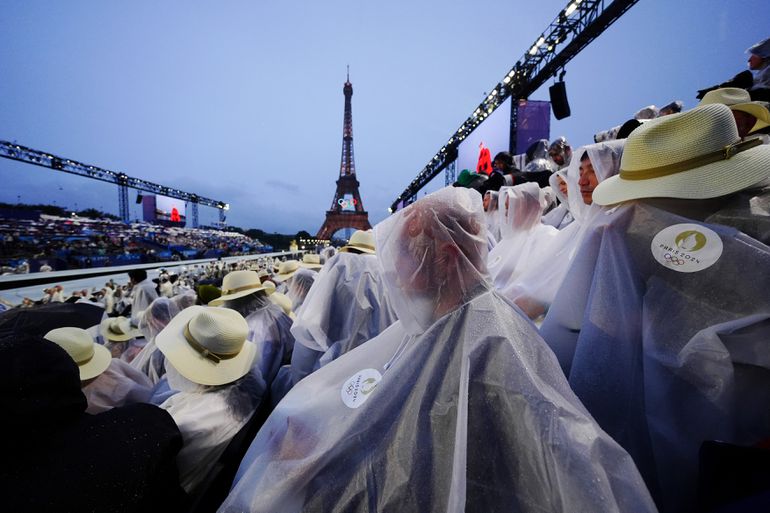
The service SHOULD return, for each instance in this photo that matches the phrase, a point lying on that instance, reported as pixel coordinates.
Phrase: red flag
(485, 160)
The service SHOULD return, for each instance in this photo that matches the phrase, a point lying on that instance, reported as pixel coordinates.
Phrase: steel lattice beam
(40, 158)
(573, 29)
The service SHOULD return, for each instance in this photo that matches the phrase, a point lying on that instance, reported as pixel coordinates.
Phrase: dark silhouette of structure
(347, 209)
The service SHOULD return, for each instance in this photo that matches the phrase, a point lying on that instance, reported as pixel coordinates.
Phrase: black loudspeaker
(559, 102)
(138, 197)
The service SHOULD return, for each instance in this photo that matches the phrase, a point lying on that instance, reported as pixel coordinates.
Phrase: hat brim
(756, 110)
(111, 336)
(283, 277)
(346, 249)
(97, 364)
(311, 266)
(191, 364)
(221, 299)
(709, 181)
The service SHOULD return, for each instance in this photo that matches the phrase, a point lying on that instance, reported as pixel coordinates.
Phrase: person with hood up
(269, 326)
(662, 323)
(759, 61)
(538, 283)
(346, 307)
(210, 362)
(457, 406)
(560, 153)
(560, 217)
(107, 382)
(524, 237)
(299, 286)
(58, 458)
(150, 361)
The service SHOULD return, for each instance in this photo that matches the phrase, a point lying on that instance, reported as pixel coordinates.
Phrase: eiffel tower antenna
(347, 210)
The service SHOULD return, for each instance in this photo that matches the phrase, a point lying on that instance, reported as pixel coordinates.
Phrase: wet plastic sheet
(665, 359)
(461, 411)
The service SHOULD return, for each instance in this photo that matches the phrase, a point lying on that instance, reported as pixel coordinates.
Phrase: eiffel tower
(347, 209)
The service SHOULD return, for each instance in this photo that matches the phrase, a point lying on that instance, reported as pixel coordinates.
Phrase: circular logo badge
(357, 389)
(686, 247)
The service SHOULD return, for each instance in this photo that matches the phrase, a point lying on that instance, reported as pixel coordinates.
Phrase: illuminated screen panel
(494, 132)
(170, 209)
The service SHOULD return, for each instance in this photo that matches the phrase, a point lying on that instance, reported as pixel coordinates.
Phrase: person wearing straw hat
(269, 326)
(210, 362)
(750, 116)
(58, 458)
(457, 406)
(106, 382)
(362, 241)
(311, 261)
(670, 309)
(116, 332)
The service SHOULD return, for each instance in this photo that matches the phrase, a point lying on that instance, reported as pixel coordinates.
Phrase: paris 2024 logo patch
(357, 389)
(686, 247)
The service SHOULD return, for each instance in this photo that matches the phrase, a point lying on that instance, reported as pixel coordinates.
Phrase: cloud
(277, 184)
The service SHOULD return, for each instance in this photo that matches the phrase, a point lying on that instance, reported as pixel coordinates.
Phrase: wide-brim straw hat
(362, 241)
(740, 99)
(118, 329)
(284, 302)
(311, 261)
(238, 284)
(692, 155)
(207, 345)
(269, 287)
(92, 358)
(286, 270)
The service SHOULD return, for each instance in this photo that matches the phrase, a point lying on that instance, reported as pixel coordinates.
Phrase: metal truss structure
(573, 29)
(14, 151)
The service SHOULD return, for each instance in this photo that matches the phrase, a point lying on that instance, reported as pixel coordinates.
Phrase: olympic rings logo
(347, 203)
(674, 260)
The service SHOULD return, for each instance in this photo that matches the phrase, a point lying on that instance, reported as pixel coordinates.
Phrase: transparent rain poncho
(560, 217)
(536, 286)
(208, 417)
(457, 406)
(298, 287)
(663, 359)
(142, 295)
(269, 329)
(118, 385)
(524, 237)
(491, 217)
(346, 307)
(150, 361)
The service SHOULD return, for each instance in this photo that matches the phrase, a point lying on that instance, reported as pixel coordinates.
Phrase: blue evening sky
(241, 101)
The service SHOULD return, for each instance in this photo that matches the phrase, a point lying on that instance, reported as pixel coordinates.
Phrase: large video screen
(169, 209)
(494, 132)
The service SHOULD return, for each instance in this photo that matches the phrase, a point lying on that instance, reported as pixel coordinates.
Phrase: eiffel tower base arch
(339, 220)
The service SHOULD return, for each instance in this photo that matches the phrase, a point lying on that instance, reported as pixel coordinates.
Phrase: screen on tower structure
(347, 203)
(170, 209)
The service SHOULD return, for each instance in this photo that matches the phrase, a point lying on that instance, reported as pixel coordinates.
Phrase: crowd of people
(588, 342)
(52, 243)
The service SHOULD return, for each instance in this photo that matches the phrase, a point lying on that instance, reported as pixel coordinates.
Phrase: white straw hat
(208, 345)
(692, 155)
(92, 358)
(284, 302)
(238, 284)
(739, 99)
(269, 287)
(311, 261)
(286, 270)
(362, 241)
(118, 329)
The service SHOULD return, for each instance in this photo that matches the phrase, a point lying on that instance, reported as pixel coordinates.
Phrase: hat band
(709, 158)
(363, 245)
(214, 357)
(240, 289)
(83, 362)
